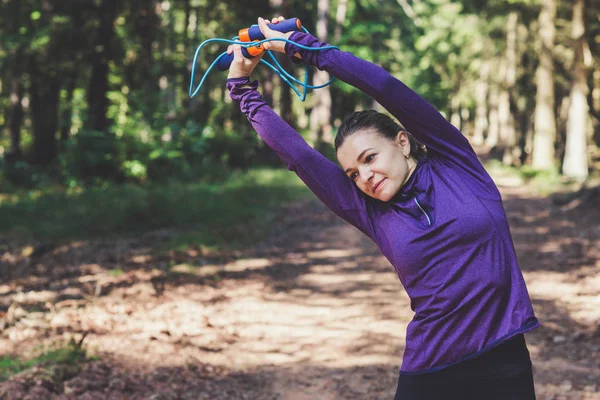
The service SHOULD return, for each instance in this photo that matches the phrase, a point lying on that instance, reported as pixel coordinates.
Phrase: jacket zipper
(424, 212)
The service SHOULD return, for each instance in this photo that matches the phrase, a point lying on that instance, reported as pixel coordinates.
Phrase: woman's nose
(366, 175)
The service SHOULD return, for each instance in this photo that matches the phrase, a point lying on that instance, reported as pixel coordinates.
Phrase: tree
(481, 93)
(545, 120)
(320, 117)
(16, 82)
(43, 64)
(508, 134)
(575, 163)
(98, 84)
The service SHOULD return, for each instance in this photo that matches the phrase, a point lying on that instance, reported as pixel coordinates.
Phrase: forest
(153, 247)
(98, 91)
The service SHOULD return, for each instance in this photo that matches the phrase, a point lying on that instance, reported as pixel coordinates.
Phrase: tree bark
(340, 17)
(282, 7)
(508, 135)
(545, 120)
(481, 93)
(187, 54)
(16, 118)
(44, 89)
(67, 111)
(455, 118)
(575, 163)
(98, 86)
(16, 94)
(45, 98)
(491, 141)
(320, 116)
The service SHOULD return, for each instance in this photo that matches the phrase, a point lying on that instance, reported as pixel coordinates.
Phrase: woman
(436, 215)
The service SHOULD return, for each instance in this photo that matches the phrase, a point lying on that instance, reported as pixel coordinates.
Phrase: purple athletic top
(445, 232)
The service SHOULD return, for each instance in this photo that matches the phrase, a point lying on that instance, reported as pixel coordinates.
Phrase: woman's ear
(404, 143)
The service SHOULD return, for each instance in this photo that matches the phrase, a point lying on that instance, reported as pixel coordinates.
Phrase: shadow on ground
(315, 310)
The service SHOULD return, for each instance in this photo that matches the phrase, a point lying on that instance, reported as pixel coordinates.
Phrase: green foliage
(215, 209)
(116, 272)
(135, 170)
(545, 182)
(23, 174)
(157, 135)
(57, 362)
(93, 155)
(232, 150)
(164, 163)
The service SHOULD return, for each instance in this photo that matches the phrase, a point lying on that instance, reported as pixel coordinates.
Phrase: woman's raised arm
(419, 117)
(323, 177)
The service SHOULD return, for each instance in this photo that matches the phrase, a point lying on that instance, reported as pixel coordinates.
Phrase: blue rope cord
(277, 68)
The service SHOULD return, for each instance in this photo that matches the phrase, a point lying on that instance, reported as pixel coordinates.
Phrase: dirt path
(313, 313)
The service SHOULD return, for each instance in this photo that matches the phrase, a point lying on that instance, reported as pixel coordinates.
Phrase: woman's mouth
(378, 185)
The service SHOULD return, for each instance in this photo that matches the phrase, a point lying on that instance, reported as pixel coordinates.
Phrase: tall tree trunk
(16, 95)
(44, 91)
(147, 24)
(320, 117)
(508, 135)
(187, 56)
(198, 107)
(67, 110)
(172, 80)
(481, 92)
(491, 141)
(98, 87)
(594, 95)
(337, 109)
(282, 7)
(16, 113)
(45, 99)
(376, 47)
(340, 17)
(594, 103)
(575, 163)
(524, 101)
(455, 111)
(545, 120)
(286, 92)
(267, 78)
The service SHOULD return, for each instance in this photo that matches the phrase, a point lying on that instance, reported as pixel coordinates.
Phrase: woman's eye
(353, 175)
(369, 158)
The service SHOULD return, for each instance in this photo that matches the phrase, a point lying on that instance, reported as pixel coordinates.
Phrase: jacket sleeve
(325, 179)
(419, 117)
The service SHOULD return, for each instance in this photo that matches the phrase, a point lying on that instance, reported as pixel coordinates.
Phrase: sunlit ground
(315, 313)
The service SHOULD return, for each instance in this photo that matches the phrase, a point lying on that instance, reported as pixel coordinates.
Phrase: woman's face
(379, 166)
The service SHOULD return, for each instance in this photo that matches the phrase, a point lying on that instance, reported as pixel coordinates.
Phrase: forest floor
(313, 312)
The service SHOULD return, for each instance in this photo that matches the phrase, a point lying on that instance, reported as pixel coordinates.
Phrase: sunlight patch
(333, 253)
(249, 263)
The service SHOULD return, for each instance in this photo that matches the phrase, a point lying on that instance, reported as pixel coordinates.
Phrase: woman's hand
(241, 67)
(268, 33)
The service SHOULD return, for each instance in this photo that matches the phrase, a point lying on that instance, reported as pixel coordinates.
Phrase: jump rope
(251, 40)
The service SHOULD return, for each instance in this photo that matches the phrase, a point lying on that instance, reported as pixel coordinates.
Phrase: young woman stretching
(436, 215)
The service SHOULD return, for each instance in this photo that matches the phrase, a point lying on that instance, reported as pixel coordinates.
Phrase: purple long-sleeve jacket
(445, 232)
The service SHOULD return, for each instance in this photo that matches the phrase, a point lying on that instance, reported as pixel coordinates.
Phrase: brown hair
(384, 125)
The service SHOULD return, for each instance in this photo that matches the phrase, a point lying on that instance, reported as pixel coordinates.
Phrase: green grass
(9, 365)
(116, 272)
(56, 362)
(214, 213)
(543, 182)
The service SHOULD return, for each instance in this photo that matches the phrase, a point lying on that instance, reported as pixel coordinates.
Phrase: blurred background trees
(96, 91)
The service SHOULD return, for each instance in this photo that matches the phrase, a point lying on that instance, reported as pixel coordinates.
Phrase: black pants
(502, 373)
